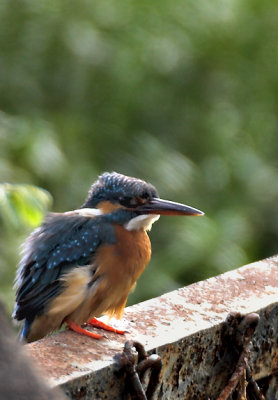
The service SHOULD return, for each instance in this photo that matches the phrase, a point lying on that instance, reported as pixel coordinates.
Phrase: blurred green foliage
(183, 94)
(22, 206)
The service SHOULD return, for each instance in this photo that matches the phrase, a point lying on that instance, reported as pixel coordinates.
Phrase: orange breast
(120, 266)
(125, 261)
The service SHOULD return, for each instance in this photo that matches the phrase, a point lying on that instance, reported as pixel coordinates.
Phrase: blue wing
(63, 242)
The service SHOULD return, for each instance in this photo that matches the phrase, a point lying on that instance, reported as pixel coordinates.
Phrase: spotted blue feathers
(62, 243)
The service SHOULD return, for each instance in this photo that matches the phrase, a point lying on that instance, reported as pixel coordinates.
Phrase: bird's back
(63, 242)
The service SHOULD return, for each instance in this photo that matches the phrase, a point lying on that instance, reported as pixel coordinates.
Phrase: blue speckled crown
(113, 186)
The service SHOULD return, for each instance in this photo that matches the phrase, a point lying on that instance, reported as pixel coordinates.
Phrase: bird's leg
(76, 328)
(98, 324)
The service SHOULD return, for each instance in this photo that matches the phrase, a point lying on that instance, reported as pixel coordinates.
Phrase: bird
(82, 264)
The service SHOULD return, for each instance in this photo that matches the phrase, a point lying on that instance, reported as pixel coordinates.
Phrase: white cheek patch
(141, 222)
(85, 212)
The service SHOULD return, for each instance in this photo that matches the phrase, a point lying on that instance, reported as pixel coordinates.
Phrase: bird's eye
(145, 195)
(126, 201)
(131, 202)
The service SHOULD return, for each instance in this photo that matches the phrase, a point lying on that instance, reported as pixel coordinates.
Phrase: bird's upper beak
(166, 207)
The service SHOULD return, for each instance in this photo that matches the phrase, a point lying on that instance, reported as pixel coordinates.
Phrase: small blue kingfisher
(82, 264)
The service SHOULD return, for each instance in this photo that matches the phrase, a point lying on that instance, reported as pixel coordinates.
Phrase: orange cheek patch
(107, 207)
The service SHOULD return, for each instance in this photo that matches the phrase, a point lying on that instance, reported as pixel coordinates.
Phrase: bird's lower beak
(165, 207)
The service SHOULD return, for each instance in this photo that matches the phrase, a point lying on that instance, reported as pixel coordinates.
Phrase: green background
(183, 94)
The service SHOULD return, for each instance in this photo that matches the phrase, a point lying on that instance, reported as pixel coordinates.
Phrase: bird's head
(113, 192)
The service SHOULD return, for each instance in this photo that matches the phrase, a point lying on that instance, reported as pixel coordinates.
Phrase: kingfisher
(82, 264)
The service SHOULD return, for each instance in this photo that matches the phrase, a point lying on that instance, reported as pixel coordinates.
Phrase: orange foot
(98, 324)
(76, 328)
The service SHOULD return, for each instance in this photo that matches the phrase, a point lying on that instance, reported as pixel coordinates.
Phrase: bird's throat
(144, 222)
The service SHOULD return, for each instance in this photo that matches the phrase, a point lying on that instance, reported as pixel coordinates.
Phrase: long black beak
(166, 207)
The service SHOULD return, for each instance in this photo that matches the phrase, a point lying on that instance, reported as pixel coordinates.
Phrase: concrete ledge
(184, 327)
